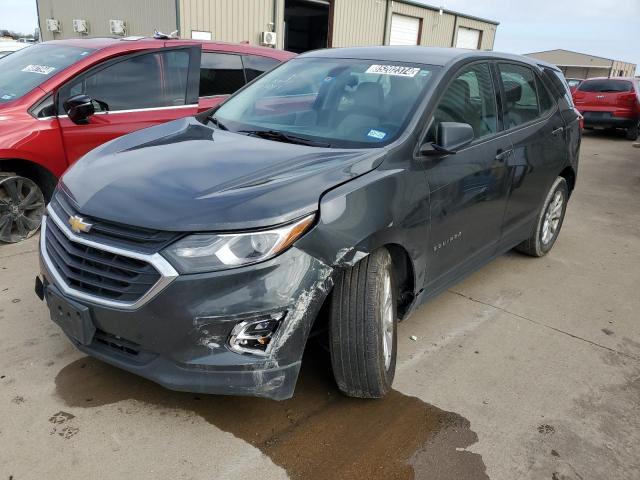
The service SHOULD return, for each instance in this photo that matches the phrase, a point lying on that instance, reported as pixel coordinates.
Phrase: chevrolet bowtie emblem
(78, 225)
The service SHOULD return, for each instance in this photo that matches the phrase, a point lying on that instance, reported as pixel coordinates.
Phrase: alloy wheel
(21, 208)
(386, 319)
(552, 217)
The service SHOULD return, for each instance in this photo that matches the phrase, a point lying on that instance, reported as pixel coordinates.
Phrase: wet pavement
(527, 369)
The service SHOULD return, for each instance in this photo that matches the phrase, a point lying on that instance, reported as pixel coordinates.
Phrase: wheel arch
(569, 174)
(45, 179)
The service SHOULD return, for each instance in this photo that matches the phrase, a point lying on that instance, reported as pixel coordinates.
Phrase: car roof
(101, 43)
(416, 54)
(626, 79)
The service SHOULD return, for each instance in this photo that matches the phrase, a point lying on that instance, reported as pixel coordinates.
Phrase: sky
(606, 28)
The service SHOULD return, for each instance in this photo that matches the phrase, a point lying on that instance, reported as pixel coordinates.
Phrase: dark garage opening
(306, 25)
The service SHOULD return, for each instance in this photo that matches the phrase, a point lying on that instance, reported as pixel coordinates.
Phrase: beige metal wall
(358, 22)
(581, 65)
(627, 69)
(141, 16)
(228, 20)
(437, 30)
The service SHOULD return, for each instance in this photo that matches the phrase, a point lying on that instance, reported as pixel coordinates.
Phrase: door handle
(502, 156)
(557, 131)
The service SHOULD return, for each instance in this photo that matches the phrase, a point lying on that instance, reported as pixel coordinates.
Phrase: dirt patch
(318, 434)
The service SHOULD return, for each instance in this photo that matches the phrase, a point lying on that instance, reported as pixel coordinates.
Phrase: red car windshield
(25, 69)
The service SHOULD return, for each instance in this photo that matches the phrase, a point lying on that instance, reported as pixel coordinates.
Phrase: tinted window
(605, 86)
(560, 85)
(144, 81)
(254, 66)
(546, 103)
(220, 74)
(469, 98)
(521, 100)
(25, 69)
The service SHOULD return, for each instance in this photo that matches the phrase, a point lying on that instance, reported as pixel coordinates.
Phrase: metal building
(296, 25)
(582, 65)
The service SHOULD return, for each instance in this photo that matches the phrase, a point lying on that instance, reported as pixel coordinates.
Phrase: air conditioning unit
(53, 25)
(268, 38)
(117, 27)
(80, 26)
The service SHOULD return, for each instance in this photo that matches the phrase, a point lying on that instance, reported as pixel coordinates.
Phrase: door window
(524, 101)
(469, 98)
(254, 66)
(220, 74)
(151, 80)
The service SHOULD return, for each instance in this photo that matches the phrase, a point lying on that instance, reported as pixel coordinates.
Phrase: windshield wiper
(217, 122)
(284, 137)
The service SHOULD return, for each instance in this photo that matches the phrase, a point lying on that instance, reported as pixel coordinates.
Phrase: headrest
(368, 94)
(512, 91)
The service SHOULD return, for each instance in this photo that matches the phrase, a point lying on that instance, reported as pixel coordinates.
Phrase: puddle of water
(318, 434)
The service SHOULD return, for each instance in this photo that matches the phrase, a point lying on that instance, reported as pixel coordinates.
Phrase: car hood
(186, 176)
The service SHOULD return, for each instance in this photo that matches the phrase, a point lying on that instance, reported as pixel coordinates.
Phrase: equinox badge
(78, 225)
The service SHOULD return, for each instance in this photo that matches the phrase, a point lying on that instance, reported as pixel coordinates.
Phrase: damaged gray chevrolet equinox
(353, 182)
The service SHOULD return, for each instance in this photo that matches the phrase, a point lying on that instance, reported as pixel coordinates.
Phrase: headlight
(211, 252)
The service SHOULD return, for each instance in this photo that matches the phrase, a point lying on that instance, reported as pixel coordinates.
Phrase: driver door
(468, 189)
(131, 92)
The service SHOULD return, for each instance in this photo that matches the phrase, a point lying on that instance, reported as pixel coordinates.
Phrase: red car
(61, 99)
(610, 103)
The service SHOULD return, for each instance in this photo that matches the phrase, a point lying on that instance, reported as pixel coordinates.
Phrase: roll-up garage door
(404, 30)
(468, 38)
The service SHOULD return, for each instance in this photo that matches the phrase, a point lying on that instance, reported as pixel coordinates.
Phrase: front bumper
(179, 338)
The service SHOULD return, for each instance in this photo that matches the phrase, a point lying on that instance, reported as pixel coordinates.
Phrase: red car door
(130, 93)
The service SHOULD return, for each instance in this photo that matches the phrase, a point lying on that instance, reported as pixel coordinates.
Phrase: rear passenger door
(467, 189)
(130, 93)
(537, 132)
(222, 74)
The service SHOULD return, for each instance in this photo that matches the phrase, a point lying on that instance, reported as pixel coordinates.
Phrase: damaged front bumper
(181, 338)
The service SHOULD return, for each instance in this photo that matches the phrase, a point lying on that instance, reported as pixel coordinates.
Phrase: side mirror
(79, 108)
(451, 136)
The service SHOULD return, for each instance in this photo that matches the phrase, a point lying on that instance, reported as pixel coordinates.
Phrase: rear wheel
(363, 327)
(21, 208)
(549, 221)
(632, 133)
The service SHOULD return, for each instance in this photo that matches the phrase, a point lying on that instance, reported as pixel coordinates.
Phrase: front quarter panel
(384, 207)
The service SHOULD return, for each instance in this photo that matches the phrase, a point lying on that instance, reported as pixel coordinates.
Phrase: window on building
(143, 81)
(521, 98)
(220, 74)
(469, 98)
(254, 65)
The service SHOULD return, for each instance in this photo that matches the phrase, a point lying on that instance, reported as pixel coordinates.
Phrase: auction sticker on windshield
(397, 70)
(41, 69)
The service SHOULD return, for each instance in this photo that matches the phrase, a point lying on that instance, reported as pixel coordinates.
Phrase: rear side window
(151, 80)
(605, 86)
(469, 98)
(254, 65)
(522, 102)
(220, 74)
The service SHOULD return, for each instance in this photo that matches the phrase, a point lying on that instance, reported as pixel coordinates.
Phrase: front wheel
(549, 221)
(21, 208)
(363, 327)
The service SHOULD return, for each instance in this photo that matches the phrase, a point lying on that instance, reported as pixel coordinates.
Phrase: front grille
(125, 236)
(97, 272)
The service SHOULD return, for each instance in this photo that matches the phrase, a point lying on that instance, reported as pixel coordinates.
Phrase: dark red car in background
(610, 103)
(61, 99)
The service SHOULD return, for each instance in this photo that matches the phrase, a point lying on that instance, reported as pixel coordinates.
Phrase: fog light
(255, 335)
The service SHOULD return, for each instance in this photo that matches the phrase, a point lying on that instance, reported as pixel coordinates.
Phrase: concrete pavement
(528, 369)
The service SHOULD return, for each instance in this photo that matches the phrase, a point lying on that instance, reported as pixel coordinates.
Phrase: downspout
(387, 27)
(279, 43)
(39, 24)
(455, 29)
(178, 18)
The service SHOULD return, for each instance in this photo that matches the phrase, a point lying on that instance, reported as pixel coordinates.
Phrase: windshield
(25, 69)
(336, 102)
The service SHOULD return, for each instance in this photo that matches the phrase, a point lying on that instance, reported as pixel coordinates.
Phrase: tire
(362, 321)
(21, 208)
(549, 221)
(632, 133)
